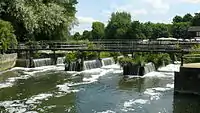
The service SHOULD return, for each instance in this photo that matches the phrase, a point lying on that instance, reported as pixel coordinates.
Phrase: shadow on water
(135, 83)
(186, 104)
(141, 84)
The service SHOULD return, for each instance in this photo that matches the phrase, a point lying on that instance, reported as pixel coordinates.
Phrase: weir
(92, 64)
(107, 61)
(42, 62)
(135, 69)
(60, 60)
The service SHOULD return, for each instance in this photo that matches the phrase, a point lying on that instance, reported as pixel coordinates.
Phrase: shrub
(7, 38)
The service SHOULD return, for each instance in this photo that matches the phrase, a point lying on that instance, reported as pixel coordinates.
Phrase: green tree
(136, 30)
(7, 37)
(179, 30)
(86, 35)
(177, 19)
(40, 19)
(159, 30)
(77, 36)
(196, 20)
(98, 29)
(118, 25)
(147, 30)
(187, 18)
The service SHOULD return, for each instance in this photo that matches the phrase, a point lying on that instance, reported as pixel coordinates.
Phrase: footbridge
(111, 46)
(128, 46)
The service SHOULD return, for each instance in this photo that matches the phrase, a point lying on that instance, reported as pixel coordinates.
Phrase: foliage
(159, 30)
(77, 36)
(179, 30)
(7, 37)
(86, 35)
(115, 55)
(98, 29)
(194, 57)
(196, 20)
(71, 57)
(177, 19)
(118, 25)
(90, 55)
(187, 18)
(142, 58)
(105, 55)
(136, 30)
(40, 19)
(158, 59)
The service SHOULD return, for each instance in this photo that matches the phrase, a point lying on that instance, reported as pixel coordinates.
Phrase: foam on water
(5, 85)
(170, 68)
(130, 103)
(37, 98)
(20, 106)
(170, 86)
(66, 88)
(107, 111)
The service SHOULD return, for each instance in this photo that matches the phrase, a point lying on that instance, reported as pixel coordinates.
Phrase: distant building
(194, 32)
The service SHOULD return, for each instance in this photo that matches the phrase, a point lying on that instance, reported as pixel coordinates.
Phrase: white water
(149, 67)
(153, 94)
(107, 61)
(42, 62)
(91, 64)
(60, 60)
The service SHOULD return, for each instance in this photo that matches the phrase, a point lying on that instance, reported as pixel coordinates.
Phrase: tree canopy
(39, 19)
(7, 37)
(98, 29)
(118, 25)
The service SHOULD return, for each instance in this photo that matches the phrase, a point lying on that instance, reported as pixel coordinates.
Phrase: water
(91, 64)
(60, 60)
(149, 67)
(49, 89)
(42, 62)
(107, 61)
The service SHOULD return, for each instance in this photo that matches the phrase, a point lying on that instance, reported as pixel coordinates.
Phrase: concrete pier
(187, 81)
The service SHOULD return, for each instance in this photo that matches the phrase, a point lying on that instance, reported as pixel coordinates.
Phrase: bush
(193, 57)
(105, 54)
(7, 38)
(71, 57)
(142, 58)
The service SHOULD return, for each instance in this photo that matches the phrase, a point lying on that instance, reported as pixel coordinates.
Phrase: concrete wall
(7, 61)
(187, 81)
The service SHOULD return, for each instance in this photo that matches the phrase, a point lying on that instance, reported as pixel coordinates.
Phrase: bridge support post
(181, 59)
(30, 59)
(99, 54)
(132, 54)
(54, 58)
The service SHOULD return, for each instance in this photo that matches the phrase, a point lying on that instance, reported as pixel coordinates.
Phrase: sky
(162, 11)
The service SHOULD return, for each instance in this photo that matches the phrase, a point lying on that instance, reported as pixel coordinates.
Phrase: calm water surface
(51, 90)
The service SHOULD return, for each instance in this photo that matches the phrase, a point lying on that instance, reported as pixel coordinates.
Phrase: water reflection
(186, 104)
(141, 84)
(135, 83)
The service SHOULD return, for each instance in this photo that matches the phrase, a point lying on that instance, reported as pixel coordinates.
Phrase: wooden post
(132, 55)
(54, 57)
(30, 59)
(182, 59)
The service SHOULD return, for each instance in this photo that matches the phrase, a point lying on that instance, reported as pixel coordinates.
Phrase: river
(49, 89)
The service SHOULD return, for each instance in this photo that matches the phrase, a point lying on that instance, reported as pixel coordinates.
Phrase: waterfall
(92, 64)
(107, 61)
(42, 62)
(149, 68)
(60, 60)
